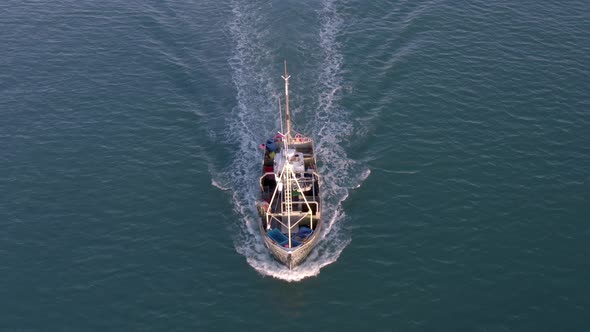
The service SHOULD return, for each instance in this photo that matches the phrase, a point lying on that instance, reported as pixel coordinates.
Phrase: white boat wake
(254, 118)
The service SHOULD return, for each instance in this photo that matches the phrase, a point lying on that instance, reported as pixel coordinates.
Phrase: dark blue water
(453, 143)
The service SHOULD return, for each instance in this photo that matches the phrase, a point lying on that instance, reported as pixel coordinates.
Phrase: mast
(287, 199)
(288, 115)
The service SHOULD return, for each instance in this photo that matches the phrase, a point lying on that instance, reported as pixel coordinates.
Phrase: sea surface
(453, 138)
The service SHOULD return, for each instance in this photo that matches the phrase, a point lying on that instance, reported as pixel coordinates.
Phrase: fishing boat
(289, 205)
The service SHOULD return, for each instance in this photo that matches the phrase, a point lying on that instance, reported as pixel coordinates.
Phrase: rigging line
(280, 115)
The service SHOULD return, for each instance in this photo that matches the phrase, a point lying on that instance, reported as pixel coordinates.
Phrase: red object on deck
(268, 169)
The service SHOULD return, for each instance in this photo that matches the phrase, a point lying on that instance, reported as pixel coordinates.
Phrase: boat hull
(289, 203)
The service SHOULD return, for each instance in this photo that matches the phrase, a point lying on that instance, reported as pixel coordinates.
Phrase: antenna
(288, 115)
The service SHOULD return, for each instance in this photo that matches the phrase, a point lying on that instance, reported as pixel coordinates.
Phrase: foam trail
(219, 185)
(255, 117)
(340, 172)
